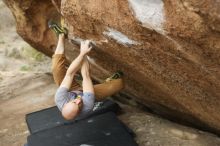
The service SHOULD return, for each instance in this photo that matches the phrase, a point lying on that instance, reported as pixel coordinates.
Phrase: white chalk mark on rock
(149, 13)
(119, 37)
(77, 41)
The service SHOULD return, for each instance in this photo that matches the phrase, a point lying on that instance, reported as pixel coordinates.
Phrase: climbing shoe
(57, 28)
(116, 75)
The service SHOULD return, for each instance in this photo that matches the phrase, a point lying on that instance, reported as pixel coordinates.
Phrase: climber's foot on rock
(116, 75)
(57, 28)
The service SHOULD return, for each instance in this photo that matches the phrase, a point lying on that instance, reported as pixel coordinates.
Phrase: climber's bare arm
(75, 65)
(87, 81)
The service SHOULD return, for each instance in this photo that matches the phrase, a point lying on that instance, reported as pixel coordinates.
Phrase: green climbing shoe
(57, 28)
(116, 75)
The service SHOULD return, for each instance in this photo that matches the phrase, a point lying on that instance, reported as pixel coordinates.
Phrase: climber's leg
(112, 85)
(59, 64)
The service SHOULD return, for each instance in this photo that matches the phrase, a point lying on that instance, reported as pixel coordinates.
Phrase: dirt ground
(26, 85)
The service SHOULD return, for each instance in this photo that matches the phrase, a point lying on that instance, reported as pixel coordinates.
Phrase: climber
(71, 99)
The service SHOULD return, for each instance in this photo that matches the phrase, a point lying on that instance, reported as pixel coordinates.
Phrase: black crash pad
(101, 130)
(51, 117)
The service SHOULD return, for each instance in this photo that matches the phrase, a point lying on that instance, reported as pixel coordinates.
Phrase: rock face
(168, 50)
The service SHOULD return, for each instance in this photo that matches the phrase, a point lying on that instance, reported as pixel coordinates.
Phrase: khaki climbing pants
(102, 91)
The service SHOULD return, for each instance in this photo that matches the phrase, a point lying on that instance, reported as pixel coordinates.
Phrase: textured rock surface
(168, 50)
(32, 17)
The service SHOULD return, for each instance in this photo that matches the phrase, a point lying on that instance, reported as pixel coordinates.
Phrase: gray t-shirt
(63, 96)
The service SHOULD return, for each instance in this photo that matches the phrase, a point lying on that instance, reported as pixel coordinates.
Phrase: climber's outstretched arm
(75, 65)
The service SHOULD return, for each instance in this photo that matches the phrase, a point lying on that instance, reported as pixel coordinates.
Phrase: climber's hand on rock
(85, 47)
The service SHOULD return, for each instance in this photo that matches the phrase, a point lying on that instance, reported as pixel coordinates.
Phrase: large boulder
(169, 50)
